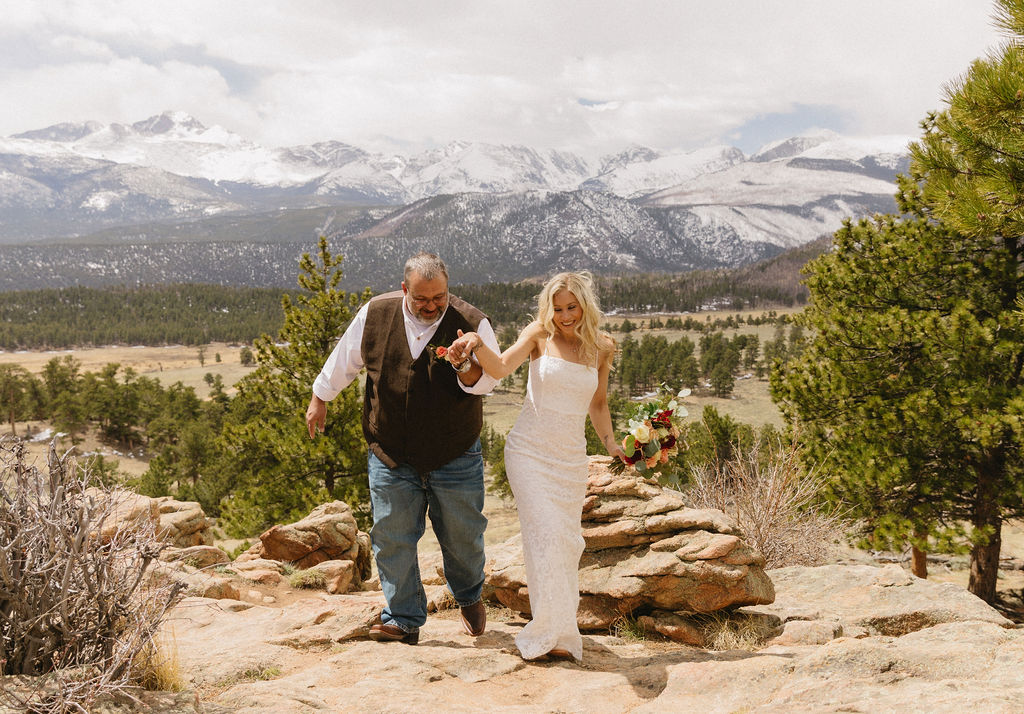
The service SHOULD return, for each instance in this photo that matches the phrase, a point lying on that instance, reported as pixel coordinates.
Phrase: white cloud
(665, 73)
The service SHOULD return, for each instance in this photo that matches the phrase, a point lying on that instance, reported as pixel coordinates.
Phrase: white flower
(683, 393)
(641, 432)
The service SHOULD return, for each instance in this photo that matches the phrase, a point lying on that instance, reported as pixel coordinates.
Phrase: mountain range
(168, 198)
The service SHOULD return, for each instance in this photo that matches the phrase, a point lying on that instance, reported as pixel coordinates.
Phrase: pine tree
(14, 385)
(910, 387)
(273, 470)
(968, 169)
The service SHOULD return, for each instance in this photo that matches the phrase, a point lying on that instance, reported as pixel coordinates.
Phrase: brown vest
(414, 411)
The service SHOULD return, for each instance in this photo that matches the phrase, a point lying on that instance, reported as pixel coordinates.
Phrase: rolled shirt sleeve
(486, 383)
(343, 366)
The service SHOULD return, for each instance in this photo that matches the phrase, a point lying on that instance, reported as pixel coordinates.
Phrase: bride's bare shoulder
(535, 331)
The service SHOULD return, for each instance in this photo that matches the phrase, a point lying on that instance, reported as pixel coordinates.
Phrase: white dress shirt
(343, 366)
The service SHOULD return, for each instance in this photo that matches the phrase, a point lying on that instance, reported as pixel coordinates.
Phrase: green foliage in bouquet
(653, 434)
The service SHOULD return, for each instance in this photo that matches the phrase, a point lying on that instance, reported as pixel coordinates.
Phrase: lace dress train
(546, 463)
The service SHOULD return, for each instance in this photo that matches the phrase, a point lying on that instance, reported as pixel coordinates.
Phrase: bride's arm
(600, 415)
(502, 365)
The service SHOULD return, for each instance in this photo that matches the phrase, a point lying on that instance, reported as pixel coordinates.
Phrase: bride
(545, 453)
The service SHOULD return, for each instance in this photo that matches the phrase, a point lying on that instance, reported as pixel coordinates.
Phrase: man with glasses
(421, 417)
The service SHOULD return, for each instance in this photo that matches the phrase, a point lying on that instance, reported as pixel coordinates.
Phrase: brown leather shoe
(392, 633)
(474, 618)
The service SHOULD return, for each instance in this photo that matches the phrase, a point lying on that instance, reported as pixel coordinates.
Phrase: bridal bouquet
(652, 436)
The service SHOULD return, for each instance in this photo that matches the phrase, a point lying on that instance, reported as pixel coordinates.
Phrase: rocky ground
(854, 638)
(859, 635)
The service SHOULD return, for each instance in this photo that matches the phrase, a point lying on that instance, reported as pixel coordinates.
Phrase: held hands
(461, 349)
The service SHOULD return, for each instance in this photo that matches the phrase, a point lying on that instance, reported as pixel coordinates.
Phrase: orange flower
(441, 351)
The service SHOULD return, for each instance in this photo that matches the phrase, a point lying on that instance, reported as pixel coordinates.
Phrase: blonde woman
(545, 453)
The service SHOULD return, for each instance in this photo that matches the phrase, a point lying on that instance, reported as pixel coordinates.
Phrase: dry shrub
(156, 668)
(775, 501)
(311, 579)
(731, 630)
(76, 609)
(628, 628)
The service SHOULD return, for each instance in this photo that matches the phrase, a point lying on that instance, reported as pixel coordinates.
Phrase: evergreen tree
(274, 472)
(14, 387)
(910, 387)
(714, 440)
(493, 446)
(60, 386)
(967, 170)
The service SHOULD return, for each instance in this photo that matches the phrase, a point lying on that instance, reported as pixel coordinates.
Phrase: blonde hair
(581, 285)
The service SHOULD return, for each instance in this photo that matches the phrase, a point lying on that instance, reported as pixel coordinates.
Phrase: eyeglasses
(436, 301)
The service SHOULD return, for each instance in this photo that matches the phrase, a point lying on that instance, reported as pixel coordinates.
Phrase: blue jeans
(453, 497)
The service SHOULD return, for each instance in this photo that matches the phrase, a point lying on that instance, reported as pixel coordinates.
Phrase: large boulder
(197, 556)
(329, 532)
(180, 524)
(183, 524)
(129, 512)
(647, 551)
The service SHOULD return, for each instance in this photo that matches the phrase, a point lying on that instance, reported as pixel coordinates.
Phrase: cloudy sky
(591, 76)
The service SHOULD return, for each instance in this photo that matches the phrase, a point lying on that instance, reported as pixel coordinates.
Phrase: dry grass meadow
(750, 402)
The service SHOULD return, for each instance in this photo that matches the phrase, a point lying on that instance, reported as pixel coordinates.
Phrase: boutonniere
(438, 352)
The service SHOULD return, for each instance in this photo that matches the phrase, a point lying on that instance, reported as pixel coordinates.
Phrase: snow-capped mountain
(639, 171)
(638, 209)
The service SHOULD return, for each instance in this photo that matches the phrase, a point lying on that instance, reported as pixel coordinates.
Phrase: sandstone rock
(322, 662)
(873, 600)
(808, 632)
(215, 587)
(431, 568)
(329, 532)
(673, 626)
(198, 583)
(645, 550)
(183, 523)
(259, 570)
(130, 512)
(933, 670)
(197, 556)
(219, 588)
(339, 574)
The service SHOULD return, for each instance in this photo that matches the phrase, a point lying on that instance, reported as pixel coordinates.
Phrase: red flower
(441, 351)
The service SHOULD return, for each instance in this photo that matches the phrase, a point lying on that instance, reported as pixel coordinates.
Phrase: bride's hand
(463, 347)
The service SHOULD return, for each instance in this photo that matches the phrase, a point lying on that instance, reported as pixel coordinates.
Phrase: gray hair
(428, 265)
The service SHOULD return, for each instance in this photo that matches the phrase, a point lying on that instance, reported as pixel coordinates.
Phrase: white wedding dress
(546, 463)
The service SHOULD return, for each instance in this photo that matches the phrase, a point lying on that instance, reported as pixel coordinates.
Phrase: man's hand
(316, 416)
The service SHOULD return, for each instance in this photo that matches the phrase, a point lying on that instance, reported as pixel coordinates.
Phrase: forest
(190, 314)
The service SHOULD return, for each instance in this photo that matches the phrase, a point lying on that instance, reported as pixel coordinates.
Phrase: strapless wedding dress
(546, 463)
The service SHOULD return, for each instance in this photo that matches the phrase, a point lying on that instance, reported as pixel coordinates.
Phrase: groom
(421, 418)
